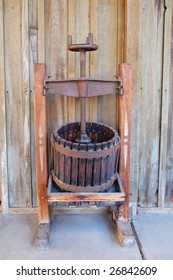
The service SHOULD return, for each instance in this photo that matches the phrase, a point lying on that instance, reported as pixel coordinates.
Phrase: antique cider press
(85, 156)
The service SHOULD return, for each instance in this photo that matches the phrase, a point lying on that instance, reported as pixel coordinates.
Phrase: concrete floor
(155, 235)
(73, 237)
(85, 237)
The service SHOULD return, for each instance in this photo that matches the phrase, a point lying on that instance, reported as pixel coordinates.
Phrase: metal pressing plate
(82, 87)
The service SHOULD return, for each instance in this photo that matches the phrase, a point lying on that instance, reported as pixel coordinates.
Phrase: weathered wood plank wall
(145, 49)
(138, 32)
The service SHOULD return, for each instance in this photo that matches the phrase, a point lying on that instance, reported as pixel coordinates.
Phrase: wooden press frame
(121, 214)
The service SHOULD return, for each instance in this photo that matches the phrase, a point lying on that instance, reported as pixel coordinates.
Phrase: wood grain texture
(124, 125)
(56, 57)
(107, 64)
(81, 32)
(93, 56)
(166, 98)
(133, 54)
(40, 143)
(33, 57)
(144, 50)
(71, 57)
(41, 30)
(167, 105)
(17, 93)
(26, 100)
(150, 97)
(3, 140)
(64, 197)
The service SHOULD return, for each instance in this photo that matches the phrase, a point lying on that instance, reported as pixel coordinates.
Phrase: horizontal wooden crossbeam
(78, 197)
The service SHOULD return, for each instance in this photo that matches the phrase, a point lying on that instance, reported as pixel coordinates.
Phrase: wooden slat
(62, 162)
(40, 143)
(82, 167)
(133, 54)
(41, 31)
(150, 100)
(3, 140)
(74, 173)
(81, 32)
(33, 56)
(121, 21)
(104, 165)
(107, 65)
(110, 162)
(71, 71)
(97, 167)
(93, 56)
(89, 167)
(26, 100)
(165, 197)
(17, 92)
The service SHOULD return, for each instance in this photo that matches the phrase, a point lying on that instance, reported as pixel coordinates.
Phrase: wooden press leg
(40, 131)
(124, 122)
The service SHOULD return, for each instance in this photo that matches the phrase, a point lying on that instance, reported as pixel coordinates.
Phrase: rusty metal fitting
(83, 47)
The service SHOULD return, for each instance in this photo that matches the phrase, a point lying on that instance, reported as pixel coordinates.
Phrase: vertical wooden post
(40, 131)
(125, 233)
(124, 123)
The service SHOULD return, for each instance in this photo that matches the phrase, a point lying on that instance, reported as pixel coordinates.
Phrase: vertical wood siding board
(82, 30)
(71, 56)
(77, 59)
(33, 48)
(107, 57)
(66, 109)
(33, 14)
(41, 31)
(17, 175)
(133, 54)
(165, 124)
(26, 100)
(121, 13)
(142, 183)
(3, 140)
(169, 161)
(152, 59)
(93, 58)
(160, 37)
(169, 169)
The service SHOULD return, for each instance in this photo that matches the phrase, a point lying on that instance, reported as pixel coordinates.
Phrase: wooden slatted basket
(89, 167)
